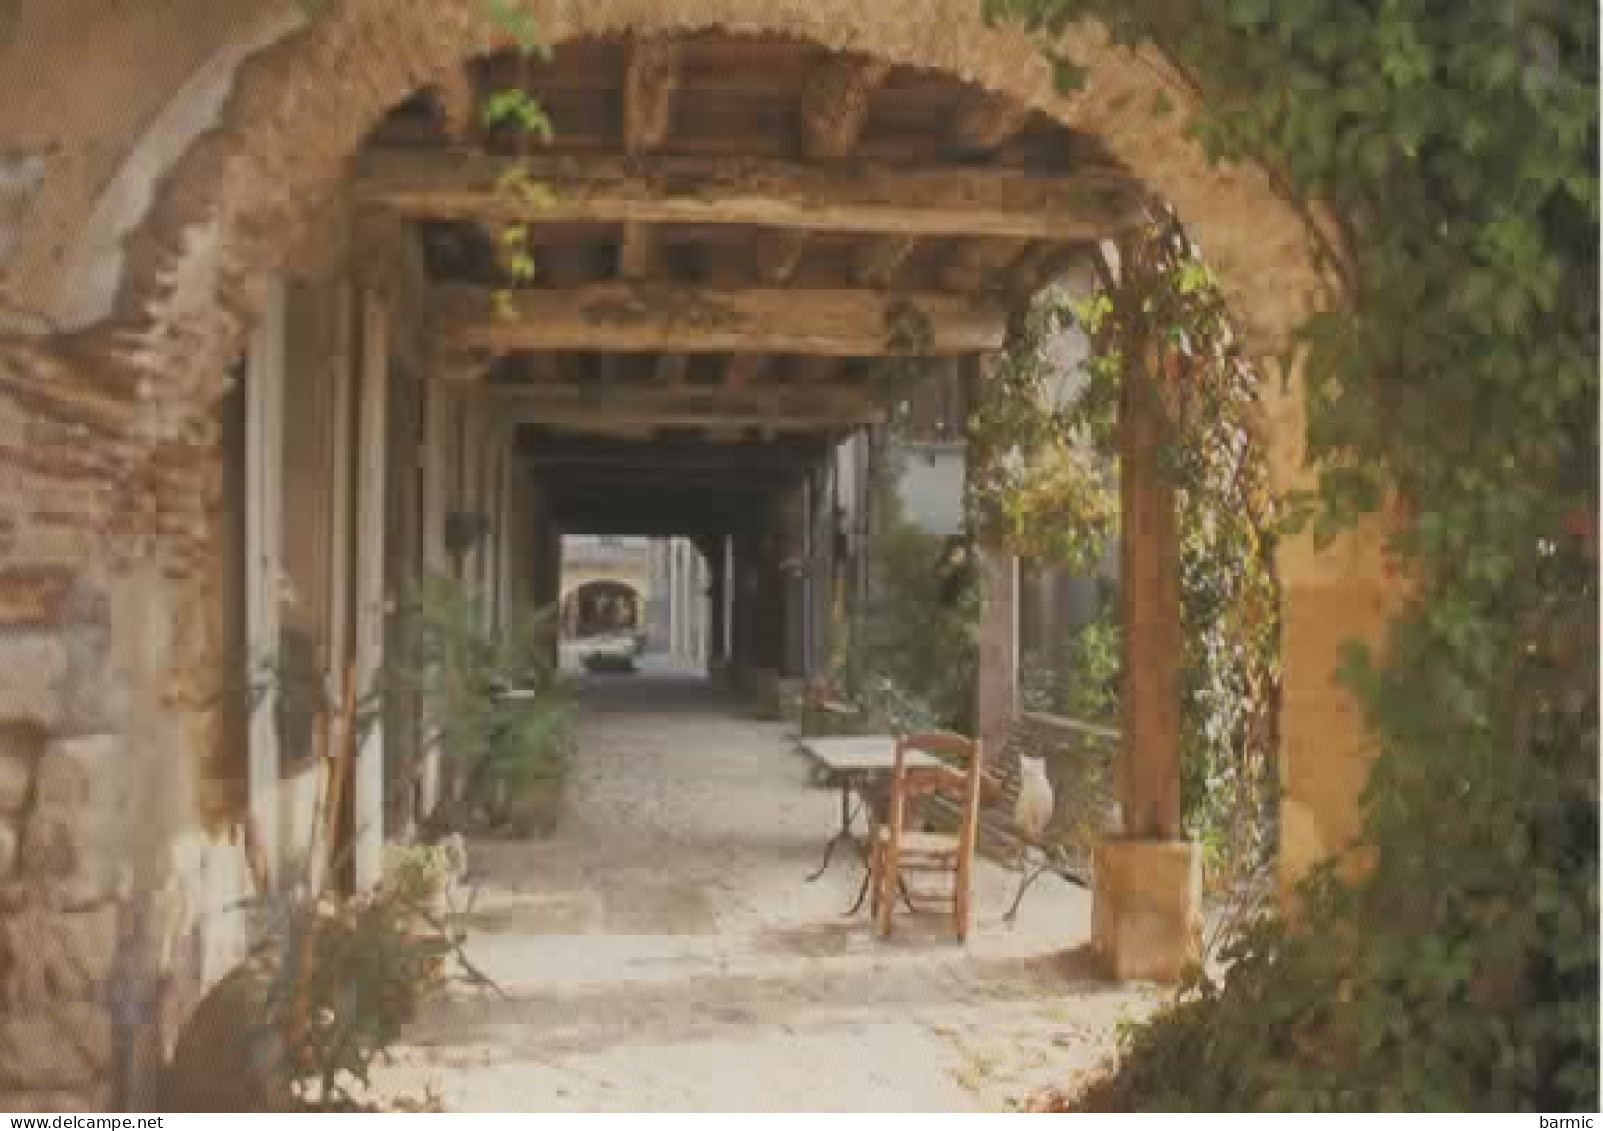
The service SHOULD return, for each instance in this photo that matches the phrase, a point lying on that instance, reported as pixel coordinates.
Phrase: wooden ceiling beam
(812, 370)
(778, 254)
(855, 197)
(455, 100)
(712, 400)
(742, 369)
(579, 517)
(880, 259)
(638, 252)
(570, 414)
(671, 370)
(650, 82)
(592, 408)
(974, 265)
(648, 481)
(834, 110)
(1044, 263)
(834, 105)
(662, 318)
(555, 453)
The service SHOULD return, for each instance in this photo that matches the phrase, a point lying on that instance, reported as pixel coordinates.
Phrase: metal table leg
(845, 834)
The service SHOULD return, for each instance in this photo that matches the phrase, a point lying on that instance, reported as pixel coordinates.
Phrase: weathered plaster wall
(100, 100)
(96, 813)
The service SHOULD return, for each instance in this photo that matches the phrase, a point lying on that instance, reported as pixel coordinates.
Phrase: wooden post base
(1146, 911)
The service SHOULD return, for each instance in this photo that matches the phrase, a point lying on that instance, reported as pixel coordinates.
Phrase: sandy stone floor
(663, 952)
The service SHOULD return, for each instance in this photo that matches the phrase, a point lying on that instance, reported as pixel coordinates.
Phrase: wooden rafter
(980, 265)
(834, 105)
(632, 318)
(834, 110)
(985, 121)
(879, 260)
(742, 368)
(651, 79)
(653, 455)
(456, 104)
(680, 411)
(778, 254)
(855, 197)
(1044, 263)
(812, 370)
(638, 252)
(671, 370)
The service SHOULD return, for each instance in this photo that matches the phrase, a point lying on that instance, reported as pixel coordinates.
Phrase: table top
(862, 754)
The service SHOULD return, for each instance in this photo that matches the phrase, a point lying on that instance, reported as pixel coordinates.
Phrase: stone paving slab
(662, 952)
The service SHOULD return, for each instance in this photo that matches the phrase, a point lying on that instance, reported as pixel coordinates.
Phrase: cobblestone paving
(662, 951)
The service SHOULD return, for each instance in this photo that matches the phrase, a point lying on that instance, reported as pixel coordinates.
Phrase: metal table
(856, 763)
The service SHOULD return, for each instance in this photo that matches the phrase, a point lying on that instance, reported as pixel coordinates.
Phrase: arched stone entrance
(109, 594)
(601, 607)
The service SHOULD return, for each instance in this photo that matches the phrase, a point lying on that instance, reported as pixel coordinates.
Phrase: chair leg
(876, 866)
(886, 893)
(960, 903)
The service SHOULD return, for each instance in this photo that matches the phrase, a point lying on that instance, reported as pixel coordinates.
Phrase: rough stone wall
(94, 809)
(80, 138)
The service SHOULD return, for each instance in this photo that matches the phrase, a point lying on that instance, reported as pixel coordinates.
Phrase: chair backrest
(962, 777)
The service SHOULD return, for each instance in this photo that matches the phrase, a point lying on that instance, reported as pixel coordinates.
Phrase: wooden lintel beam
(460, 368)
(538, 369)
(834, 105)
(701, 410)
(570, 414)
(555, 454)
(650, 399)
(667, 317)
(644, 482)
(850, 197)
(579, 518)
(813, 370)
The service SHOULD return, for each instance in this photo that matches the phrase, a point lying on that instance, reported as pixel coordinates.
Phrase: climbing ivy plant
(1456, 150)
(1053, 497)
(519, 196)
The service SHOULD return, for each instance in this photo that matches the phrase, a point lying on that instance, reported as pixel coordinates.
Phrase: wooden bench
(1079, 764)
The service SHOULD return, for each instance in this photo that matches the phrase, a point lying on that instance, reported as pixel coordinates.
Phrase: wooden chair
(899, 851)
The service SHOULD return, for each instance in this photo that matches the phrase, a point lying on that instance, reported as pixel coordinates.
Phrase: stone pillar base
(1146, 910)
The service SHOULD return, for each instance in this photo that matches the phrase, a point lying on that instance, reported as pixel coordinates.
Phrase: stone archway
(601, 606)
(196, 263)
(111, 580)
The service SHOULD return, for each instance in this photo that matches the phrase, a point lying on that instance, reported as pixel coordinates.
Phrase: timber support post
(1146, 910)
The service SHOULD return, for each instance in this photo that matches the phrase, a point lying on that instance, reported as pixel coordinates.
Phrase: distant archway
(603, 607)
